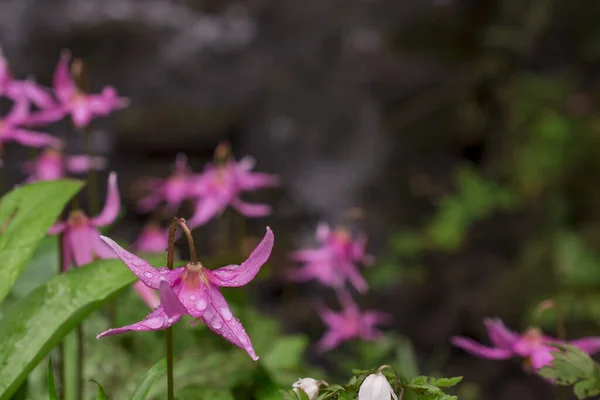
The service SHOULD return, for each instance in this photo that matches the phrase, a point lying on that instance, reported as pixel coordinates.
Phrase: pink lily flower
(81, 241)
(350, 323)
(71, 100)
(19, 90)
(194, 290)
(220, 185)
(173, 190)
(52, 164)
(10, 128)
(533, 346)
(335, 260)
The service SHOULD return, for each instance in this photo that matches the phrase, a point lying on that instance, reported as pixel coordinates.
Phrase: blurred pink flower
(52, 164)
(350, 323)
(220, 185)
(173, 190)
(194, 290)
(152, 239)
(335, 260)
(533, 346)
(81, 241)
(71, 100)
(19, 90)
(11, 130)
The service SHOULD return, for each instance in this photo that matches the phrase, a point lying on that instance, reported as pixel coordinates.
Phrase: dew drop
(216, 322)
(226, 313)
(192, 297)
(201, 305)
(154, 323)
(148, 274)
(170, 320)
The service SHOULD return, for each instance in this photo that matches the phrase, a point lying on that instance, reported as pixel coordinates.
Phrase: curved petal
(81, 241)
(64, 87)
(590, 345)
(18, 113)
(37, 94)
(256, 180)
(140, 267)
(541, 357)
(67, 254)
(57, 228)
(239, 275)
(83, 163)
(81, 113)
(206, 208)
(194, 297)
(169, 300)
(355, 278)
(499, 335)
(101, 249)
(151, 201)
(479, 350)
(249, 209)
(219, 319)
(35, 139)
(147, 294)
(155, 321)
(329, 341)
(111, 206)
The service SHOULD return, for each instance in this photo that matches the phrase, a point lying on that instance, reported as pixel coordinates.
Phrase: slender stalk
(177, 222)
(1, 169)
(70, 360)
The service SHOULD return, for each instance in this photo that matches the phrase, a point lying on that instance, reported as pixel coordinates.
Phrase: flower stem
(71, 369)
(170, 385)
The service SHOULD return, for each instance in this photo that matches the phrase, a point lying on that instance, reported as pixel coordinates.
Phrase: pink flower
(532, 345)
(220, 185)
(11, 130)
(152, 239)
(52, 164)
(71, 100)
(173, 190)
(19, 90)
(81, 241)
(194, 290)
(349, 324)
(335, 260)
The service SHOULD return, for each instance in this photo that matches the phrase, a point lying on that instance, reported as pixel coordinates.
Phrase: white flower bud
(309, 385)
(376, 387)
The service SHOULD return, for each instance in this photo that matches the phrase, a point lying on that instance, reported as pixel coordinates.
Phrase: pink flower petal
(57, 228)
(499, 335)
(479, 350)
(194, 298)
(251, 210)
(590, 345)
(67, 255)
(256, 180)
(147, 294)
(329, 341)
(239, 275)
(111, 206)
(81, 114)
(64, 87)
(37, 94)
(355, 278)
(35, 139)
(169, 300)
(81, 242)
(18, 114)
(206, 208)
(46, 116)
(541, 357)
(140, 267)
(219, 319)
(83, 163)
(156, 320)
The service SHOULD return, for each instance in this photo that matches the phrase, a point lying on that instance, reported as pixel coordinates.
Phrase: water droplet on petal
(226, 313)
(201, 305)
(154, 323)
(170, 320)
(148, 274)
(216, 322)
(192, 297)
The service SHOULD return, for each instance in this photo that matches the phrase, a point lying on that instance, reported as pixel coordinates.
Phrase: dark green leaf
(51, 387)
(100, 394)
(157, 371)
(26, 213)
(38, 322)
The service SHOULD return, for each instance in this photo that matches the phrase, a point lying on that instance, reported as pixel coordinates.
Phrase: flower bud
(376, 387)
(309, 385)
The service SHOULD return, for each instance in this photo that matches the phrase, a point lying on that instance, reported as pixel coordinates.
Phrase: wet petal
(147, 294)
(219, 319)
(111, 206)
(590, 345)
(239, 275)
(156, 320)
(169, 300)
(140, 267)
(194, 298)
(479, 350)
(499, 335)
(35, 139)
(249, 209)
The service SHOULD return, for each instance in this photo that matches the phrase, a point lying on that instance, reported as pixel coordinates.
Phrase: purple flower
(152, 239)
(335, 260)
(81, 241)
(71, 100)
(220, 185)
(349, 324)
(11, 130)
(194, 290)
(52, 164)
(533, 346)
(173, 190)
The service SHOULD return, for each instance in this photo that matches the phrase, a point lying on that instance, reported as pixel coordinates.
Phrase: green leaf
(448, 382)
(43, 265)
(569, 365)
(100, 395)
(39, 322)
(151, 377)
(51, 387)
(284, 357)
(26, 213)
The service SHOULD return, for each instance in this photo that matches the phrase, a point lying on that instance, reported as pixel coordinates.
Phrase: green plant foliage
(51, 387)
(573, 367)
(100, 394)
(157, 371)
(38, 322)
(26, 213)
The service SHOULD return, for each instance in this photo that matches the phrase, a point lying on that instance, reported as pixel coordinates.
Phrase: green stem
(170, 384)
(71, 375)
